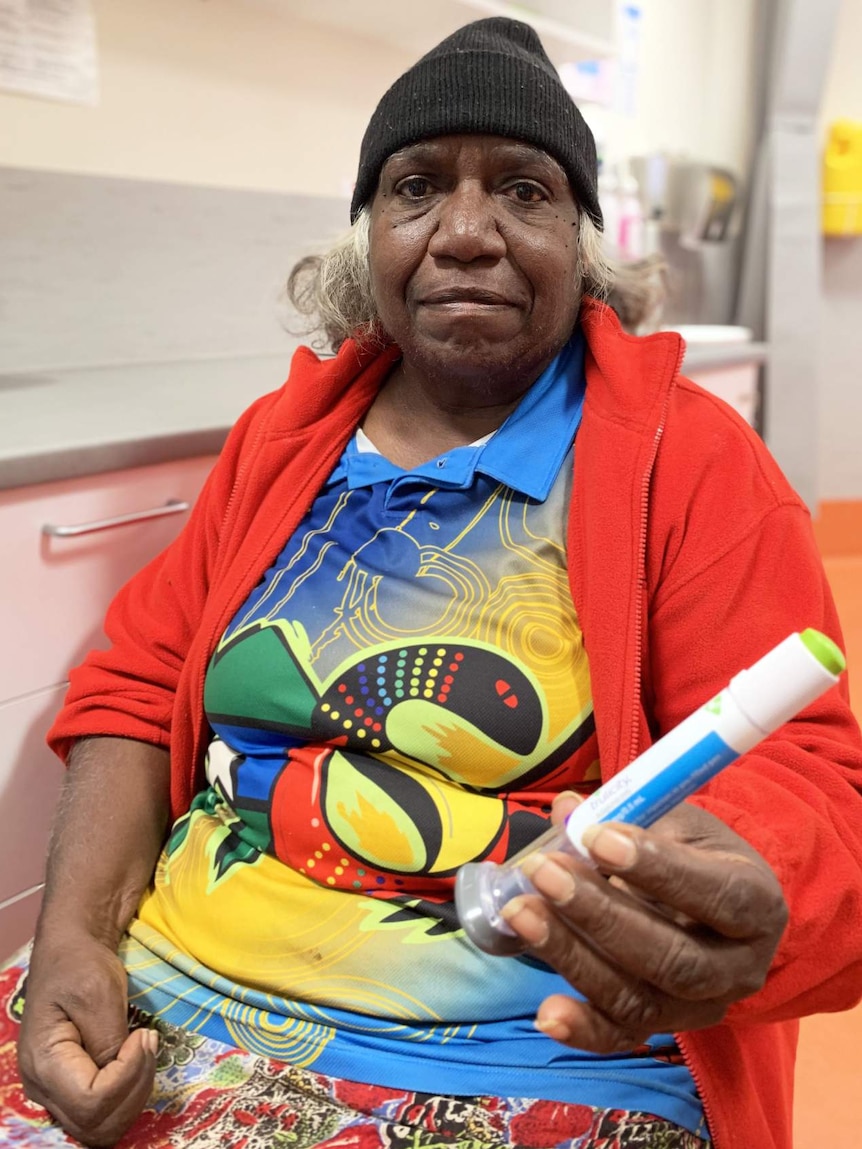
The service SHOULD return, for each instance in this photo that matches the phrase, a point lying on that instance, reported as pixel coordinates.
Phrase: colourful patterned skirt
(209, 1095)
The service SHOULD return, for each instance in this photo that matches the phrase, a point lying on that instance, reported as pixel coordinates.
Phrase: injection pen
(756, 702)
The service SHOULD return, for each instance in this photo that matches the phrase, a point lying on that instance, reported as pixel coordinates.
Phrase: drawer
(17, 922)
(30, 778)
(54, 591)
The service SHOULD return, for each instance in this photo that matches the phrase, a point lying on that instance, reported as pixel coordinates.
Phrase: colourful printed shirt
(404, 691)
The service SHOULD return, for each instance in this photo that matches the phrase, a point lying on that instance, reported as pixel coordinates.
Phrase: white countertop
(64, 424)
(712, 356)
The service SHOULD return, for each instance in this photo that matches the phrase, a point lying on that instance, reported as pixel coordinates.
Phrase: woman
(476, 561)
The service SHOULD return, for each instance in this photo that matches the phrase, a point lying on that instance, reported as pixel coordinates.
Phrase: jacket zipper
(641, 570)
(682, 1042)
(241, 472)
(634, 746)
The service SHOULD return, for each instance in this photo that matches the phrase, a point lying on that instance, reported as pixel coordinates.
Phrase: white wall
(843, 95)
(696, 83)
(228, 93)
(237, 93)
(841, 341)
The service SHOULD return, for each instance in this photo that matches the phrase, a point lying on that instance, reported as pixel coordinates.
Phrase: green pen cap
(824, 650)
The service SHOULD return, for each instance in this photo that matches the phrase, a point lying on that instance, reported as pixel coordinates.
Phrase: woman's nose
(467, 227)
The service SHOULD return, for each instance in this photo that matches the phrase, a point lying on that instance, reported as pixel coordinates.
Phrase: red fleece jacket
(689, 556)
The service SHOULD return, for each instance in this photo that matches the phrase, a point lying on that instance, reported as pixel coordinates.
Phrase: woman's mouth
(465, 298)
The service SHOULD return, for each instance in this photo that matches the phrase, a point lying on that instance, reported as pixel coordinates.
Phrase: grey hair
(333, 291)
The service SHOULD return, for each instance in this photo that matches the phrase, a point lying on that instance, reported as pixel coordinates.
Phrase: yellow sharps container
(842, 179)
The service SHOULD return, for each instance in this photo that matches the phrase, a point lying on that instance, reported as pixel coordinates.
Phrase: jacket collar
(315, 386)
(615, 359)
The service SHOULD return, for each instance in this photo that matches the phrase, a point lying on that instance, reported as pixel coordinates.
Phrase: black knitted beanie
(491, 77)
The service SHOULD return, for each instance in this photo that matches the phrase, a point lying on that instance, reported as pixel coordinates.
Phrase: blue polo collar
(525, 453)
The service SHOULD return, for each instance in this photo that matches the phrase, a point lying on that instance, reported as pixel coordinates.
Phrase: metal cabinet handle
(171, 507)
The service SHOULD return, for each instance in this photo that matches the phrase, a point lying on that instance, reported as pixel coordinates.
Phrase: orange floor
(829, 1069)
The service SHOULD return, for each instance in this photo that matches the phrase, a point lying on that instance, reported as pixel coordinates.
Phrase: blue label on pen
(680, 778)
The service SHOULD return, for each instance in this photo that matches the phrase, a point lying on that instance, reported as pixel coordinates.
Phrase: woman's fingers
(563, 804)
(582, 1026)
(612, 948)
(580, 906)
(98, 1105)
(686, 924)
(622, 1009)
(75, 1053)
(736, 895)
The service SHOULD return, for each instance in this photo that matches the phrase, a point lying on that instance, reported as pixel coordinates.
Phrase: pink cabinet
(55, 585)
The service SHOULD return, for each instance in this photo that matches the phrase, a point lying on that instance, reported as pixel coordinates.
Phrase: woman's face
(474, 258)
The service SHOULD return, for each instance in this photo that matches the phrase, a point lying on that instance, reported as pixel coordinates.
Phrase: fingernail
(550, 880)
(531, 863)
(553, 1027)
(610, 847)
(569, 794)
(153, 1041)
(525, 921)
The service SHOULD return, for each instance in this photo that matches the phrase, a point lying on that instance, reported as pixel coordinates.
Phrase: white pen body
(756, 702)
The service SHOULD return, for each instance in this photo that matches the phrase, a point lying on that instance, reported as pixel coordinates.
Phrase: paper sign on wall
(48, 48)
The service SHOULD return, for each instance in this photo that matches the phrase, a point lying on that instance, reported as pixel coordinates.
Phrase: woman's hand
(684, 922)
(75, 1053)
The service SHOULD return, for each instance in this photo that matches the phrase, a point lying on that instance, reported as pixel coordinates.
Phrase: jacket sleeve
(128, 690)
(741, 571)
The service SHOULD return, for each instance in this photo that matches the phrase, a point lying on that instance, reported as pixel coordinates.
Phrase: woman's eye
(526, 192)
(414, 187)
